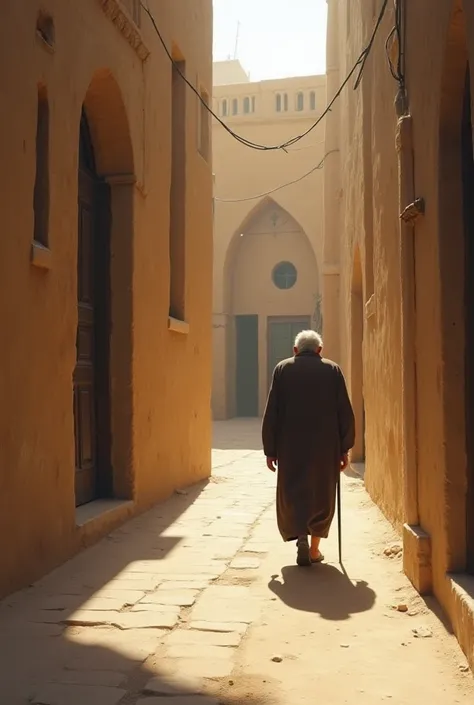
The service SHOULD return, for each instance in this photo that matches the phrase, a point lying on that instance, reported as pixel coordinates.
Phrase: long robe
(307, 426)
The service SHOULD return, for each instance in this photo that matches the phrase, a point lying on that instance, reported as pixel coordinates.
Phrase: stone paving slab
(204, 639)
(111, 679)
(243, 563)
(174, 685)
(181, 567)
(127, 647)
(206, 610)
(144, 582)
(126, 596)
(180, 598)
(200, 667)
(180, 700)
(166, 610)
(53, 615)
(239, 627)
(59, 694)
(195, 651)
(123, 620)
(179, 585)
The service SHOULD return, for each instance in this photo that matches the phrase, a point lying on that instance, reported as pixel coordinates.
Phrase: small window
(278, 103)
(41, 190)
(204, 139)
(300, 101)
(312, 100)
(235, 106)
(284, 275)
(177, 225)
(253, 104)
(224, 108)
(285, 102)
(246, 105)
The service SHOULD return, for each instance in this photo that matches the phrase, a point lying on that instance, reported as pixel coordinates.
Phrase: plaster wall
(160, 379)
(425, 488)
(367, 227)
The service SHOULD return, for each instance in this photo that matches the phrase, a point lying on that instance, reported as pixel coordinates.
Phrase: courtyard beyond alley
(198, 602)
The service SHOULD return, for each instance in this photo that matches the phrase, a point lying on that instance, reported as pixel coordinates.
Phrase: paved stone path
(198, 602)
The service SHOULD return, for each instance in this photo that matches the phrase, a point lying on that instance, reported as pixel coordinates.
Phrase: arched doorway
(272, 293)
(91, 374)
(468, 212)
(103, 376)
(357, 360)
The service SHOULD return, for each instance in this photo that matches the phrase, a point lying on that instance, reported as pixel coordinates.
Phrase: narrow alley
(198, 602)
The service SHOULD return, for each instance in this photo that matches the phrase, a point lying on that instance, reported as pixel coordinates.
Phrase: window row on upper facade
(234, 106)
(246, 106)
(302, 101)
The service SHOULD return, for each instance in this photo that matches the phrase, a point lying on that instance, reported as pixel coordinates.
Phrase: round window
(284, 275)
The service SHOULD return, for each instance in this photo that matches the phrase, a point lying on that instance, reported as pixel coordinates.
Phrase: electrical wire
(396, 35)
(278, 188)
(357, 68)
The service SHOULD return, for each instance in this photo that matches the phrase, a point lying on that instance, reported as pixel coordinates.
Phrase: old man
(308, 430)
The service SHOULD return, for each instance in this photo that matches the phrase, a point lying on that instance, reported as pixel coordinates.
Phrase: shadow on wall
(323, 589)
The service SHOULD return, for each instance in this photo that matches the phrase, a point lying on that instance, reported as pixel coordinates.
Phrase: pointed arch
(252, 217)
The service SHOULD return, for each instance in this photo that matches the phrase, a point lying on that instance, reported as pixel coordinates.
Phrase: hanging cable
(278, 188)
(357, 68)
(396, 36)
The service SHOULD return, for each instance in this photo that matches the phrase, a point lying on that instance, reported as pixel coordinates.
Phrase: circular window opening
(284, 275)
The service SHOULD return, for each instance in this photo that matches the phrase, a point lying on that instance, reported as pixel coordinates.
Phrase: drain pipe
(410, 209)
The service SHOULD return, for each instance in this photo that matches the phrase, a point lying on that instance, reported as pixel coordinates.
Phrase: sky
(277, 38)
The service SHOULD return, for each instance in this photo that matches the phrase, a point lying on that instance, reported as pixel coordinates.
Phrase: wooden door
(246, 380)
(90, 381)
(281, 338)
(468, 193)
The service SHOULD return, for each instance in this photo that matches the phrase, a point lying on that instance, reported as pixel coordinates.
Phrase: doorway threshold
(99, 518)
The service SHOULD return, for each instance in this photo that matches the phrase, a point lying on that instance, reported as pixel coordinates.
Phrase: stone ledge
(40, 256)
(462, 613)
(98, 518)
(178, 326)
(116, 12)
(417, 558)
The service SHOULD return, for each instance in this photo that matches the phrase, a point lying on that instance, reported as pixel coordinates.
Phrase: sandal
(319, 559)
(303, 558)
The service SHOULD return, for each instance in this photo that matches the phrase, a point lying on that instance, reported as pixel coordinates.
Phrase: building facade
(105, 358)
(267, 240)
(397, 289)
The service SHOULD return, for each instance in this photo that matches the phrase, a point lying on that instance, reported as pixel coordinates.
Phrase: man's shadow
(323, 589)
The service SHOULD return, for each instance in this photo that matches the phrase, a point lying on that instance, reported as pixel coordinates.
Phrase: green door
(246, 380)
(281, 337)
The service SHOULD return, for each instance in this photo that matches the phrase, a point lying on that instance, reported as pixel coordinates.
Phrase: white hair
(308, 340)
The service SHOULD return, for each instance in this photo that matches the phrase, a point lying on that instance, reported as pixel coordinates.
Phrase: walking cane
(339, 518)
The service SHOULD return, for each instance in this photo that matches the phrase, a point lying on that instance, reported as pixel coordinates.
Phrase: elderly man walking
(308, 430)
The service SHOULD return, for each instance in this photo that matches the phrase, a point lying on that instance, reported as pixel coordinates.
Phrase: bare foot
(316, 556)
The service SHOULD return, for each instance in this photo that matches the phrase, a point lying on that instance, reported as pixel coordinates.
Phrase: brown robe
(308, 425)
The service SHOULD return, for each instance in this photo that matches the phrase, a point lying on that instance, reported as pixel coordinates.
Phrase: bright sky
(277, 38)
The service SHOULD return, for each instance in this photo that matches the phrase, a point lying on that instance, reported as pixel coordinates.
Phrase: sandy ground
(199, 602)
